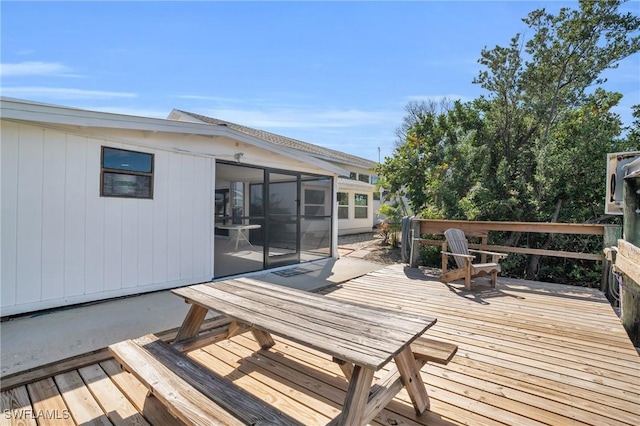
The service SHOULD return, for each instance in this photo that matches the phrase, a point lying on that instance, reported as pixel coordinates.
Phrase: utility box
(617, 169)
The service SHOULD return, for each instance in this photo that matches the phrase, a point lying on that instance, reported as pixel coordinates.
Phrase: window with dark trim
(361, 209)
(343, 205)
(127, 174)
(363, 178)
(353, 175)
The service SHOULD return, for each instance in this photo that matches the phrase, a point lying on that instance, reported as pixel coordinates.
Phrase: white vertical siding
(145, 242)
(186, 216)
(201, 213)
(9, 152)
(62, 243)
(129, 251)
(53, 222)
(95, 228)
(160, 260)
(112, 243)
(75, 214)
(174, 221)
(29, 247)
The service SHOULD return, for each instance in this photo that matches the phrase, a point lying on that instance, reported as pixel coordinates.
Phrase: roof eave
(179, 114)
(17, 109)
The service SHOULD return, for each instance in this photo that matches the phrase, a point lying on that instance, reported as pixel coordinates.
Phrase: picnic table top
(364, 335)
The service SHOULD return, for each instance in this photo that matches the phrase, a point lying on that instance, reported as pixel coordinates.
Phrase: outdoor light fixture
(238, 156)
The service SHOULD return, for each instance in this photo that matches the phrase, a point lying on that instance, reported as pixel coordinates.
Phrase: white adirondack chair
(459, 249)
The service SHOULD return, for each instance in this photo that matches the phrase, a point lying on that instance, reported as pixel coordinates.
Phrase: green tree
(534, 147)
(425, 166)
(633, 137)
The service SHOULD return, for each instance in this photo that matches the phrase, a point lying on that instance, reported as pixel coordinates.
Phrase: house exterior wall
(351, 225)
(62, 243)
(355, 186)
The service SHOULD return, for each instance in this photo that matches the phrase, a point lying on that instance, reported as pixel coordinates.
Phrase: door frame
(295, 258)
(287, 259)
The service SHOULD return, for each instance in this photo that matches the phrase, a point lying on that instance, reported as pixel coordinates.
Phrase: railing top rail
(439, 226)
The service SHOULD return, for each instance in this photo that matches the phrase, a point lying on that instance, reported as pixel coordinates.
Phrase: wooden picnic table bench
(361, 339)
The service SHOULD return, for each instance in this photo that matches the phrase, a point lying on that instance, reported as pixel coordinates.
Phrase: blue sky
(337, 74)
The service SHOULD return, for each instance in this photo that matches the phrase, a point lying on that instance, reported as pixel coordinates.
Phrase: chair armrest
(503, 255)
(456, 254)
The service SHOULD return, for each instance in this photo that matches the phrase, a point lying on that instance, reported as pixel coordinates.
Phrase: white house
(358, 199)
(98, 205)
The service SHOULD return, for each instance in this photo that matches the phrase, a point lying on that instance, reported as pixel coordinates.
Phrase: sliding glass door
(265, 218)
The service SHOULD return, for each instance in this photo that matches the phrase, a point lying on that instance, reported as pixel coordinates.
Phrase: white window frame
(343, 207)
(360, 207)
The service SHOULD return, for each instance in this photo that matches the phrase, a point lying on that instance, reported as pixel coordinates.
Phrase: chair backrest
(457, 244)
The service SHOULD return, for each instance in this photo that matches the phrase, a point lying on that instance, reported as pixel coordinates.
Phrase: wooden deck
(529, 353)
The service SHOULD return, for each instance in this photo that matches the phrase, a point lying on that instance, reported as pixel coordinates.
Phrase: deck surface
(529, 353)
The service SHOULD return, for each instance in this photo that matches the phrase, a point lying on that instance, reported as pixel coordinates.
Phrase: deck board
(529, 353)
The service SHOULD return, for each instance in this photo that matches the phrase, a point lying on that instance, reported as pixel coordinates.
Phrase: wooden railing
(609, 233)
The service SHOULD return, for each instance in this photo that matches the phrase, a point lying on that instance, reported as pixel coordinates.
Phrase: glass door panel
(239, 220)
(283, 219)
(315, 223)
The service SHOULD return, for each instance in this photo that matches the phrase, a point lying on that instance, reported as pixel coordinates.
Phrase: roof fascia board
(176, 114)
(296, 155)
(354, 184)
(35, 112)
(27, 111)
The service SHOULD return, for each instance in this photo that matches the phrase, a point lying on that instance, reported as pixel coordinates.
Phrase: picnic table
(361, 339)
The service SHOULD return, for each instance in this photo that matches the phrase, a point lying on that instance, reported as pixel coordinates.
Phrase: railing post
(415, 244)
(610, 238)
(484, 241)
(406, 239)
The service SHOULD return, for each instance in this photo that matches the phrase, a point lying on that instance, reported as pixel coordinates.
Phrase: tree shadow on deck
(564, 291)
(507, 287)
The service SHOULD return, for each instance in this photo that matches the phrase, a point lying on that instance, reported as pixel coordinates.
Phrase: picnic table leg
(264, 339)
(408, 368)
(357, 397)
(346, 367)
(192, 323)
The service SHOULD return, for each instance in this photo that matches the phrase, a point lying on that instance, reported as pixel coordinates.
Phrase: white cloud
(301, 118)
(31, 68)
(61, 93)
